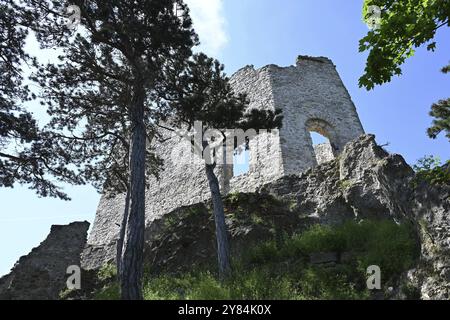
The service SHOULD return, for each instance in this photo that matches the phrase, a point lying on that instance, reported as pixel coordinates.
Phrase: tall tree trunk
(131, 265)
(223, 246)
(123, 227)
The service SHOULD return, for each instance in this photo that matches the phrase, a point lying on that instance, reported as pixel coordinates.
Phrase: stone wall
(313, 98)
(324, 153)
(183, 182)
(41, 275)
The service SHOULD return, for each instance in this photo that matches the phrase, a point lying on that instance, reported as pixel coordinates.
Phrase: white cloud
(210, 24)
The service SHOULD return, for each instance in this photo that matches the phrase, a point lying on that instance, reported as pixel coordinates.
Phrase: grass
(283, 272)
(383, 243)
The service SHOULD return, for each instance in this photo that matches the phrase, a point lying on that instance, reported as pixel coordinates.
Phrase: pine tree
(28, 155)
(441, 112)
(202, 93)
(101, 99)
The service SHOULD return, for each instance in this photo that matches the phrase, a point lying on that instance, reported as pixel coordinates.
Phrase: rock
(346, 257)
(363, 182)
(324, 258)
(433, 219)
(41, 275)
(98, 256)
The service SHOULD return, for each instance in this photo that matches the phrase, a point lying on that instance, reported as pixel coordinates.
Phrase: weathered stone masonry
(312, 97)
(41, 275)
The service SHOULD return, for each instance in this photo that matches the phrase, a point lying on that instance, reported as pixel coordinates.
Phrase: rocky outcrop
(432, 209)
(41, 275)
(364, 182)
(367, 182)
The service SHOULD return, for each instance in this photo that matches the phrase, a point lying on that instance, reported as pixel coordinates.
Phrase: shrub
(107, 272)
(429, 169)
(390, 246)
(384, 243)
(167, 287)
(317, 239)
(207, 287)
(108, 292)
(331, 284)
(263, 253)
(261, 284)
(192, 286)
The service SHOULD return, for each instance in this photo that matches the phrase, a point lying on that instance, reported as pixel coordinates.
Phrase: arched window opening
(318, 139)
(320, 135)
(322, 148)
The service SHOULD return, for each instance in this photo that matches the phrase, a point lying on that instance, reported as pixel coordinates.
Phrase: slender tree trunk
(131, 265)
(223, 246)
(123, 227)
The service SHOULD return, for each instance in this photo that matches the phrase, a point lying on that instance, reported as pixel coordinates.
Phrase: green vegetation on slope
(276, 272)
(430, 169)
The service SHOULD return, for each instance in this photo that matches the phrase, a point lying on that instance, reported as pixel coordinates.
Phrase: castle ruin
(312, 97)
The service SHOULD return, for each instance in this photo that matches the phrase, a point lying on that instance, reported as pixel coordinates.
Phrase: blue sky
(260, 32)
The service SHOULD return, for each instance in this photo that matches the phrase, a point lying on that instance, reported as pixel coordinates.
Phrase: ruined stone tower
(313, 99)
